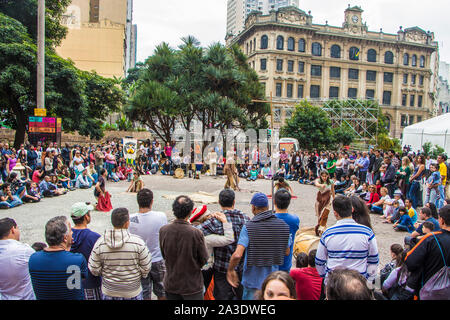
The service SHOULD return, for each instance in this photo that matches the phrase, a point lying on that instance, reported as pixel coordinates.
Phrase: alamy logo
(74, 280)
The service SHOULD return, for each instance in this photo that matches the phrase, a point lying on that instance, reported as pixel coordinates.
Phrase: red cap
(199, 214)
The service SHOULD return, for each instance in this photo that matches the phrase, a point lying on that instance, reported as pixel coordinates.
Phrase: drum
(179, 174)
(305, 241)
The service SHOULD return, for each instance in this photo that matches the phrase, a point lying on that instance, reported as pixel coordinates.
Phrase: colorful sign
(40, 112)
(130, 150)
(44, 129)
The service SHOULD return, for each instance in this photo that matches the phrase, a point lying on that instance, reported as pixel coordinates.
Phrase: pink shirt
(308, 283)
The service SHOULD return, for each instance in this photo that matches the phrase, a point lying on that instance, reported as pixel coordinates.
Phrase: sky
(170, 20)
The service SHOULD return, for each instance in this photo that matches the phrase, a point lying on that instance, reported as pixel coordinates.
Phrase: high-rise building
(101, 36)
(238, 11)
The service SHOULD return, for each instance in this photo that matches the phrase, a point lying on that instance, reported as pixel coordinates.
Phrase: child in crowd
(253, 174)
(389, 208)
(379, 206)
(113, 175)
(32, 193)
(302, 260)
(266, 172)
(378, 186)
(38, 246)
(129, 172)
(373, 196)
(433, 183)
(427, 227)
(404, 223)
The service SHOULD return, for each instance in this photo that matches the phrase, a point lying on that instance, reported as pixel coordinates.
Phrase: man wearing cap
(83, 242)
(263, 242)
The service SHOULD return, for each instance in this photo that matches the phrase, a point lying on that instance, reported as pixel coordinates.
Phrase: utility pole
(40, 92)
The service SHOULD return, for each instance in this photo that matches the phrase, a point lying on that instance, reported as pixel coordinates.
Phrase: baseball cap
(398, 192)
(260, 200)
(79, 209)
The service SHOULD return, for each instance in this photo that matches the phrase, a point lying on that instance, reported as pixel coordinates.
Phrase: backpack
(386, 271)
(438, 286)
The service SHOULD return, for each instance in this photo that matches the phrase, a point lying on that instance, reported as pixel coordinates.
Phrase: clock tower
(353, 20)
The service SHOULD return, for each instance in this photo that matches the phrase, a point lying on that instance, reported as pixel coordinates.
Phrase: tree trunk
(21, 121)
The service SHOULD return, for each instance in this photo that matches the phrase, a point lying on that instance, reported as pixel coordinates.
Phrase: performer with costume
(323, 201)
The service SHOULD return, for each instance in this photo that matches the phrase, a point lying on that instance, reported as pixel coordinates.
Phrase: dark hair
(55, 230)
(144, 198)
(312, 258)
(429, 225)
(347, 284)
(182, 207)
(397, 249)
(343, 206)
(444, 213)
(281, 276)
(360, 211)
(38, 246)
(403, 209)
(282, 199)
(119, 217)
(426, 211)
(302, 260)
(6, 224)
(226, 198)
(281, 180)
(5, 185)
(102, 171)
(434, 212)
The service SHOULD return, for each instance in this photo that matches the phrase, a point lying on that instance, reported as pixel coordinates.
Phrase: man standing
(347, 244)
(83, 242)
(282, 201)
(99, 158)
(222, 289)
(15, 282)
(184, 251)
(264, 241)
(443, 171)
(388, 180)
(147, 224)
(363, 165)
(121, 259)
(56, 273)
(377, 165)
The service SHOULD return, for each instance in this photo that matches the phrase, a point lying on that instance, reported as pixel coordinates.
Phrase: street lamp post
(41, 56)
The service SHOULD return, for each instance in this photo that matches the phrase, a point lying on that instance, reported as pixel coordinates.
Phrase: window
(263, 64)
(316, 71)
(412, 100)
(371, 55)
(370, 94)
(414, 61)
(280, 43)
(406, 59)
(335, 51)
(405, 78)
(264, 42)
(389, 57)
(353, 74)
(334, 92)
(387, 97)
(419, 104)
(354, 54)
(352, 92)
(301, 45)
(421, 79)
(413, 79)
(371, 75)
(316, 49)
(291, 44)
(289, 90)
(388, 123)
(290, 65)
(404, 120)
(404, 99)
(301, 67)
(315, 92)
(388, 77)
(300, 91)
(251, 45)
(279, 64)
(246, 48)
(335, 72)
(419, 118)
(277, 115)
(278, 90)
(422, 61)
(411, 120)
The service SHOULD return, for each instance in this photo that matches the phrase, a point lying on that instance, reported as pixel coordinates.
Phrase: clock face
(355, 19)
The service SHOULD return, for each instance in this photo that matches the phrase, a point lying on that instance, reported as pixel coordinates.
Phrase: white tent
(435, 130)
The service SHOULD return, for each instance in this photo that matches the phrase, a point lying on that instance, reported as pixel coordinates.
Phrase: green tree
(310, 125)
(343, 135)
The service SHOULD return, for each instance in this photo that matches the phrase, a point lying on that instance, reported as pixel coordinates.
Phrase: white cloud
(169, 20)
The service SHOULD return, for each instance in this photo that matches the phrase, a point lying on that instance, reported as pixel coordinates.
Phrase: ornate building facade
(296, 59)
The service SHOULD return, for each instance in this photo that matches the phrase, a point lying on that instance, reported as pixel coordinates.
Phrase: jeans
(432, 196)
(11, 203)
(440, 202)
(377, 209)
(414, 193)
(249, 294)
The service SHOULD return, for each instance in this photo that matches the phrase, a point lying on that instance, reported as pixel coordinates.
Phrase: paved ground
(31, 218)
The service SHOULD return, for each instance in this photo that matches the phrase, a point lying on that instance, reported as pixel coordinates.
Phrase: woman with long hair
(405, 172)
(416, 180)
(360, 211)
(277, 286)
(323, 200)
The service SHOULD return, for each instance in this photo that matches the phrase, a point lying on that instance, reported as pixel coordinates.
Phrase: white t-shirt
(147, 225)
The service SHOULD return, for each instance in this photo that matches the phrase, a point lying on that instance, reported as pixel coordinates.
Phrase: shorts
(154, 279)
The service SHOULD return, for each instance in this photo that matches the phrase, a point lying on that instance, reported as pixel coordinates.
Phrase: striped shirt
(348, 245)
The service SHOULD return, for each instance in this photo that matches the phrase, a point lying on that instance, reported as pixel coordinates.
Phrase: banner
(130, 150)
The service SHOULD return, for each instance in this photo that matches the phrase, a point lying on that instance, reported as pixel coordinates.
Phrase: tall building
(101, 36)
(443, 91)
(296, 59)
(238, 11)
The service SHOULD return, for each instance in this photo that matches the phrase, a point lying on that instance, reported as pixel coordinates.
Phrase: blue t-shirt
(405, 220)
(54, 275)
(83, 242)
(253, 277)
(435, 178)
(293, 222)
(437, 227)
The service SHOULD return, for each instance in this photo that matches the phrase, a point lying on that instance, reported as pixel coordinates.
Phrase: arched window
(414, 60)
(264, 42)
(371, 55)
(354, 53)
(422, 61)
(291, 44)
(406, 59)
(316, 49)
(301, 45)
(280, 43)
(251, 45)
(335, 51)
(246, 49)
(389, 57)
